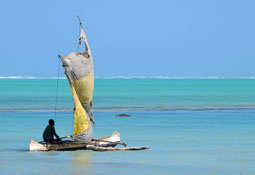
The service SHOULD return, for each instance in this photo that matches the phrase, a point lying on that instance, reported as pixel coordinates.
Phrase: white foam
(166, 77)
(28, 77)
(130, 77)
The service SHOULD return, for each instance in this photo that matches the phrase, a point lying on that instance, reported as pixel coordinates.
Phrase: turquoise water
(194, 126)
(39, 95)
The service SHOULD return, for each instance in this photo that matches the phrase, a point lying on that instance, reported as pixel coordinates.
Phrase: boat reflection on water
(81, 162)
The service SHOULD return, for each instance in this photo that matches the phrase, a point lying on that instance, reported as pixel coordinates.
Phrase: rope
(56, 101)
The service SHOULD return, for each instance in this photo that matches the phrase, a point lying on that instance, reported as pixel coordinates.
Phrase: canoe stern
(35, 146)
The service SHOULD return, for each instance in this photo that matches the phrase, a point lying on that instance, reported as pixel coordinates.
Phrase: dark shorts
(48, 139)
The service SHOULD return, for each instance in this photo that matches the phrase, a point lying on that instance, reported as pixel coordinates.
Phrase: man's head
(51, 122)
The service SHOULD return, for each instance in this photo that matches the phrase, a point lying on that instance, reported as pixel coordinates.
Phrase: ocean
(194, 126)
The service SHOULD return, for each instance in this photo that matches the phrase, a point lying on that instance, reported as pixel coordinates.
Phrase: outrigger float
(79, 70)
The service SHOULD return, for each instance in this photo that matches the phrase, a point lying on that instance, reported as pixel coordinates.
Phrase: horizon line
(133, 77)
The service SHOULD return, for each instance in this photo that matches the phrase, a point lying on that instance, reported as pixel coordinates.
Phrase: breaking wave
(166, 77)
(130, 77)
(21, 77)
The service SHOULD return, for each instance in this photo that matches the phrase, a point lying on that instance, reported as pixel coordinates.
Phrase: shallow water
(185, 141)
(39, 95)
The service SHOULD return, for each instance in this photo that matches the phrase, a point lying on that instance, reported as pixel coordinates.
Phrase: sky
(173, 38)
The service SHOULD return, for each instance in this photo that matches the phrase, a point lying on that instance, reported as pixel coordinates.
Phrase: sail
(82, 127)
(80, 74)
(81, 122)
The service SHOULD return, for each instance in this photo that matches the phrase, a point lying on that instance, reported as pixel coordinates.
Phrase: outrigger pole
(119, 143)
(60, 138)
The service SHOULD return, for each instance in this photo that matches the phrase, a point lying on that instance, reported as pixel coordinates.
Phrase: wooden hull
(71, 146)
(109, 141)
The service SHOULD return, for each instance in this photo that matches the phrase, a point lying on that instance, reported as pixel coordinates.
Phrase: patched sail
(80, 73)
(82, 127)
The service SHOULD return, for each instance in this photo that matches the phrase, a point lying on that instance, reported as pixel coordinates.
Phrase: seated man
(49, 133)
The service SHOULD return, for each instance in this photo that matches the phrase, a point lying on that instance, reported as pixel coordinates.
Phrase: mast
(79, 70)
(83, 36)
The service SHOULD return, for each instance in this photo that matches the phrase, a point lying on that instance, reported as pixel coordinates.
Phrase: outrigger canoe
(99, 144)
(79, 70)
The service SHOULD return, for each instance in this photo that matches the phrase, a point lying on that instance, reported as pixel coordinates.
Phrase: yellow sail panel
(85, 87)
(81, 122)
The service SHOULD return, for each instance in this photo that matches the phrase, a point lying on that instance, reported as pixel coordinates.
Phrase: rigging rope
(56, 101)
